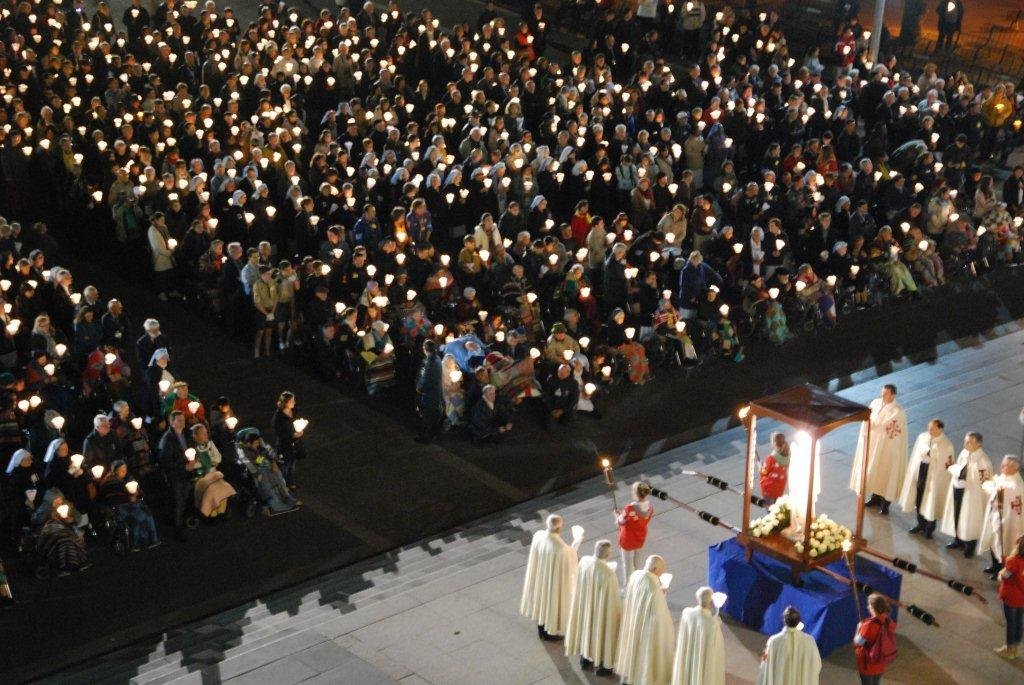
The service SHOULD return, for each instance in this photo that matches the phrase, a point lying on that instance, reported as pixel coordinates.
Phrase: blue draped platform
(759, 591)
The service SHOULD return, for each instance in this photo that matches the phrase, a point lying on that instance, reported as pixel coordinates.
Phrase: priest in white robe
(886, 453)
(1004, 517)
(791, 656)
(645, 639)
(965, 499)
(700, 646)
(550, 572)
(595, 612)
(927, 480)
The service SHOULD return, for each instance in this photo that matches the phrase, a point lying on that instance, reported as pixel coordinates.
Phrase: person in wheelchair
(670, 333)
(885, 255)
(61, 543)
(261, 464)
(713, 314)
(123, 495)
(212, 492)
(378, 355)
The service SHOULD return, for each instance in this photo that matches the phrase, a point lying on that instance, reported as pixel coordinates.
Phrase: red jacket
(773, 478)
(868, 630)
(633, 532)
(1011, 590)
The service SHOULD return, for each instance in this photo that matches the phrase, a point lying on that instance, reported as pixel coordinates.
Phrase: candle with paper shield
(164, 386)
(57, 422)
(63, 510)
(190, 453)
(97, 471)
(231, 422)
(77, 460)
(132, 487)
(577, 534)
(300, 425)
(137, 423)
(666, 580)
(719, 599)
(193, 406)
(109, 358)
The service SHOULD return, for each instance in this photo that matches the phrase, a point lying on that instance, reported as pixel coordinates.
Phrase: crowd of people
(356, 183)
(393, 198)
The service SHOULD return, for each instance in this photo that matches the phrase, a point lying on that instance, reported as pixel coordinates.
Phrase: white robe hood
(595, 613)
(645, 640)
(939, 451)
(700, 649)
(547, 588)
(887, 451)
(792, 659)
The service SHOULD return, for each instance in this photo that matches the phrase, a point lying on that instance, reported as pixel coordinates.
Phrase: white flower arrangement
(777, 518)
(826, 536)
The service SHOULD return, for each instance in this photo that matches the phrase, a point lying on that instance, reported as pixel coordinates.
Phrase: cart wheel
(192, 521)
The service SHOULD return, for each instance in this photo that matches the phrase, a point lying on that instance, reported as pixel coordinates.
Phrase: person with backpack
(875, 641)
(1011, 592)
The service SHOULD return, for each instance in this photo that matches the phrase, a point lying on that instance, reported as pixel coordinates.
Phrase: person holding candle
(429, 393)
(632, 522)
(622, 337)
(118, 491)
(212, 492)
(157, 381)
(150, 341)
(964, 513)
(21, 486)
(178, 468)
(378, 354)
(875, 641)
(1011, 592)
(1004, 515)
(66, 474)
(181, 400)
(159, 237)
(264, 299)
(262, 464)
(100, 445)
(288, 431)
(927, 481)
(595, 612)
(646, 646)
(61, 542)
(561, 393)
(700, 646)
(791, 656)
(550, 573)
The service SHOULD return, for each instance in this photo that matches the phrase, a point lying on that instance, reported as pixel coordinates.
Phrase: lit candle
(109, 358)
(76, 460)
(567, 354)
(57, 422)
(535, 353)
(190, 453)
(724, 310)
(193, 406)
(606, 371)
(630, 332)
(455, 376)
(63, 511)
(300, 425)
(584, 342)
(49, 369)
(23, 405)
(164, 385)
(137, 423)
(35, 401)
(97, 471)
(132, 487)
(231, 422)
(666, 580)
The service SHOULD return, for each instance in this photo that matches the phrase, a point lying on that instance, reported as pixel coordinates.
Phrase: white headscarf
(51, 451)
(16, 458)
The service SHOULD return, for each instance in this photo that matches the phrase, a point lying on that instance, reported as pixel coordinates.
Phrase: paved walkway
(446, 610)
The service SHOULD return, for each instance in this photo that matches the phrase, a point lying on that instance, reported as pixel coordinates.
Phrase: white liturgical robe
(936, 452)
(887, 451)
(547, 588)
(972, 469)
(645, 640)
(595, 613)
(1004, 517)
(700, 649)
(792, 659)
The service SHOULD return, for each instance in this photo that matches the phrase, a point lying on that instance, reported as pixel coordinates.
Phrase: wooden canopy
(811, 409)
(818, 412)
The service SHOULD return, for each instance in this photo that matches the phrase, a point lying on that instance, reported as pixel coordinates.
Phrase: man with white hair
(100, 446)
(700, 646)
(151, 341)
(547, 588)
(595, 611)
(645, 639)
(1004, 518)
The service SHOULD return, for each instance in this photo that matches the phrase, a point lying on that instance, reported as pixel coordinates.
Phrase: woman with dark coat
(289, 439)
